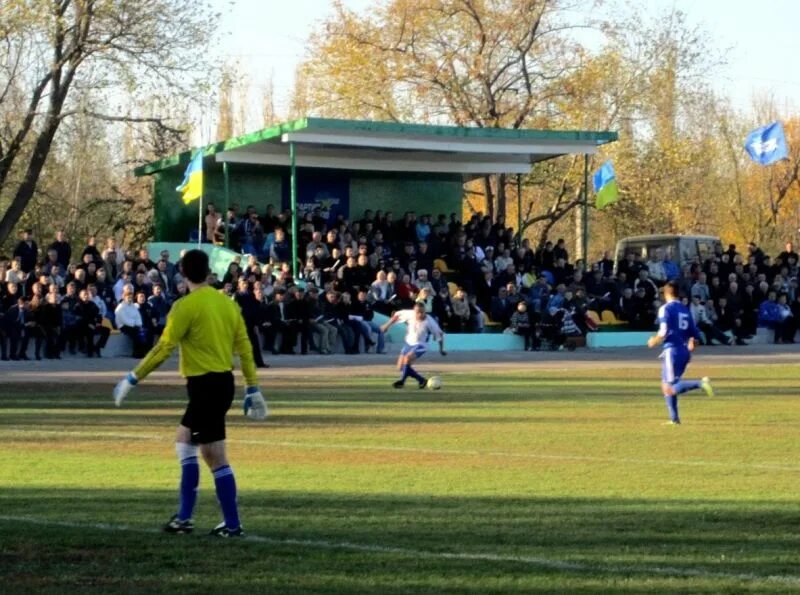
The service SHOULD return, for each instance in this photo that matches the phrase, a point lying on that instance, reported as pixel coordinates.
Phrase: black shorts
(210, 397)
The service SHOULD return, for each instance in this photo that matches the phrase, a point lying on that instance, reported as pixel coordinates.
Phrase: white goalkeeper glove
(123, 387)
(255, 407)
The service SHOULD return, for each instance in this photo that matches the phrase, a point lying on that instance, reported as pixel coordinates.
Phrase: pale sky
(268, 36)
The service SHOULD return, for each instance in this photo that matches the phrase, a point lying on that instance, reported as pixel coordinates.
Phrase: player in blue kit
(679, 335)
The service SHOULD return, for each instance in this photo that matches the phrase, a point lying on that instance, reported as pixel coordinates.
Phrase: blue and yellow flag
(192, 185)
(605, 186)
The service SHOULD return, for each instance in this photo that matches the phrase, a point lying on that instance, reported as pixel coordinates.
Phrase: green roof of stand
(376, 145)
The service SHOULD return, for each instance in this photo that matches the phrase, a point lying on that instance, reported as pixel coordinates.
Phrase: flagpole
(200, 216)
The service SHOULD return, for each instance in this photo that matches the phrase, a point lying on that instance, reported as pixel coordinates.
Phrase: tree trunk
(501, 196)
(28, 186)
(487, 190)
(579, 232)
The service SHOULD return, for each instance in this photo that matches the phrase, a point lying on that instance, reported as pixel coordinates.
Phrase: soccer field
(513, 478)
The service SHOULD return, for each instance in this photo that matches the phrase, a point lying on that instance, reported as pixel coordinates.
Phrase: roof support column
(519, 209)
(293, 206)
(585, 207)
(227, 202)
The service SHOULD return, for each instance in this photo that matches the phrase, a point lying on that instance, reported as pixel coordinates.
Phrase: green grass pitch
(529, 480)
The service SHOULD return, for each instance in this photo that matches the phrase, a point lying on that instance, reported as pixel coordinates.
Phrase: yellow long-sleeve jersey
(210, 330)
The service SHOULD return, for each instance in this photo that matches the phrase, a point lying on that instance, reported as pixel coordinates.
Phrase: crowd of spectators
(471, 276)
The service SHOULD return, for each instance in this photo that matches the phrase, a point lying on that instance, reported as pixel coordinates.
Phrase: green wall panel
(248, 185)
(401, 194)
(261, 186)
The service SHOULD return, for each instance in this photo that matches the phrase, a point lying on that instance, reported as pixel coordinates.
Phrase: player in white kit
(420, 327)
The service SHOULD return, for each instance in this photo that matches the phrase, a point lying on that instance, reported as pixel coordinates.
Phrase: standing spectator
(520, 324)
(92, 250)
(15, 321)
(62, 248)
(212, 221)
(149, 321)
(112, 248)
(560, 250)
(159, 308)
(252, 315)
(655, 267)
(69, 326)
(49, 315)
(27, 251)
(606, 264)
(300, 315)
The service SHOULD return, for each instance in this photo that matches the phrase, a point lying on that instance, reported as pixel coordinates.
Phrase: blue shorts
(418, 350)
(673, 363)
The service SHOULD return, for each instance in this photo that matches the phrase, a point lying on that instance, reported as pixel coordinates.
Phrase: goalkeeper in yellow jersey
(209, 329)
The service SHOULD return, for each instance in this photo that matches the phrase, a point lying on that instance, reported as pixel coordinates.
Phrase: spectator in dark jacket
(251, 313)
(27, 251)
(90, 324)
(521, 325)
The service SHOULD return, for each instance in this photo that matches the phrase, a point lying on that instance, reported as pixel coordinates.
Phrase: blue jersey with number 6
(676, 325)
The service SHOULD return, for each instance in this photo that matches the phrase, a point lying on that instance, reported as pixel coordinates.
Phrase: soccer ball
(434, 383)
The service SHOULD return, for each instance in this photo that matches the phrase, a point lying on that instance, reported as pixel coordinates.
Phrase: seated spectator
(501, 308)
(405, 291)
(701, 289)
(646, 283)
(703, 321)
(280, 323)
(129, 322)
(337, 315)
(729, 319)
(281, 250)
(775, 313)
(90, 325)
(459, 321)
(317, 324)
(363, 313)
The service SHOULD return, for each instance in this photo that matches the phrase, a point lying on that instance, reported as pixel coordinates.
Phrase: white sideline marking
(433, 555)
(431, 451)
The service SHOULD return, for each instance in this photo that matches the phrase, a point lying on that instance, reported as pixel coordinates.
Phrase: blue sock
(226, 494)
(684, 386)
(190, 479)
(672, 405)
(404, 372)
(413, 373)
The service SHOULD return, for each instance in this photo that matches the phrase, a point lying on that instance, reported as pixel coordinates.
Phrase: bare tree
(54, 51)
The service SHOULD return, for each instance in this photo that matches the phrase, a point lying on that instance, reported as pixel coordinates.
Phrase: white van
(681, 249)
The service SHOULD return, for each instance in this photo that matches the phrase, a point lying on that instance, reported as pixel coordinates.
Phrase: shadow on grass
(445, 543)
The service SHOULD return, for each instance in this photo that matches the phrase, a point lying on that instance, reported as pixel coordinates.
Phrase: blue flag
(767, 144)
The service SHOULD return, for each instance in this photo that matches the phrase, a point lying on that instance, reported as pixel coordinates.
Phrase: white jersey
(418, 331)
